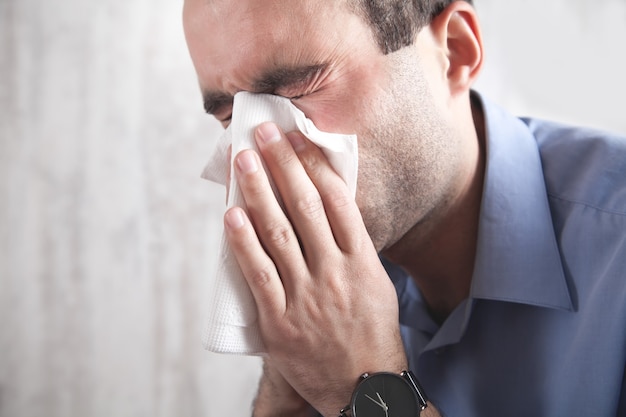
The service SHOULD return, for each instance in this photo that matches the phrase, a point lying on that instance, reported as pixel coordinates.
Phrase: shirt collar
(517, 258)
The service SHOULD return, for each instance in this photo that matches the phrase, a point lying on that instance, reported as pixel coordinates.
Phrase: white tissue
(233, 326)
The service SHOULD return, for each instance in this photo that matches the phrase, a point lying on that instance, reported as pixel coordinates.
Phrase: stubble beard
(406, 177)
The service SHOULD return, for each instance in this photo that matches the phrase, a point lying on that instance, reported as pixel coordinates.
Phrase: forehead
(227, 39)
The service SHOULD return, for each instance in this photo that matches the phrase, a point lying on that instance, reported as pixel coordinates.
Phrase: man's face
(324, 57)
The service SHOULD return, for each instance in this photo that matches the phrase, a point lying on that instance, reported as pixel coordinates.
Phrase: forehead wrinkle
(247, 62)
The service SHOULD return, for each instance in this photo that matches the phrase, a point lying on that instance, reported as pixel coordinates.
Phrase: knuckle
(283, 158)
(252, 185)
(263, 276)
(310, 205)
(311, 162)
(337, 200)
(278, 235)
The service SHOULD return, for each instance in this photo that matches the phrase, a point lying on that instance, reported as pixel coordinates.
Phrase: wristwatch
(386, 394)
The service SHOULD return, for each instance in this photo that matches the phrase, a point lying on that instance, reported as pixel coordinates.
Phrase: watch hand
(380, 404)
(383, 404)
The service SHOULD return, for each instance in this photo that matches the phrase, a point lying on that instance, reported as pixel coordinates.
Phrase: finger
(258, 269)
(229, 153)
(302, 200)
(342, 211)
(272, 227)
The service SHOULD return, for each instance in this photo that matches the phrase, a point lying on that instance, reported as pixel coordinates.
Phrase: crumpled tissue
(233, 321)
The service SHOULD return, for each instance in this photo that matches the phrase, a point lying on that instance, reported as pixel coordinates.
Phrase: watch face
(385, 395)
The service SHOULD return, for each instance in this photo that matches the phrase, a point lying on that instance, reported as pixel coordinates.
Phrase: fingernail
(268, 132)
(297, 141)
(246, 162)
(234, 219)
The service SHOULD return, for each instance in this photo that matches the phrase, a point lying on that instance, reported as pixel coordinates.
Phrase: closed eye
(292, 83)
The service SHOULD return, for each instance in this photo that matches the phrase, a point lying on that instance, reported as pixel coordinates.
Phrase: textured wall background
(106, 230)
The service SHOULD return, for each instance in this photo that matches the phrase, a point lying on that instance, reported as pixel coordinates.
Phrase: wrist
(276, 397)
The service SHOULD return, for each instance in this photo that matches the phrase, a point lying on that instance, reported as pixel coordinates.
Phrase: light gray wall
(106, 230)
(560, 59)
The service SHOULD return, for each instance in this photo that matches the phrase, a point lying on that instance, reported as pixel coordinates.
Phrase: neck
(439, 251)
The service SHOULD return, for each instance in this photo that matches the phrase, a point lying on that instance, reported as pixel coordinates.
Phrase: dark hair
(396, 22)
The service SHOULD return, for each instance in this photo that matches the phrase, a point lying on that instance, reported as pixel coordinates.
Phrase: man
(507, 263)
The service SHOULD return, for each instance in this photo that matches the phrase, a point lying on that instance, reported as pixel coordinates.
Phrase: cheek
(330, 114)
(347, 105)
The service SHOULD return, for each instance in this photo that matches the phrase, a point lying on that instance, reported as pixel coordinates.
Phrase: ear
(457, 32)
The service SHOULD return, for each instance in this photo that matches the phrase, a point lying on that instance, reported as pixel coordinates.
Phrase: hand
(327, 309)
(275, 397)
(380, 403)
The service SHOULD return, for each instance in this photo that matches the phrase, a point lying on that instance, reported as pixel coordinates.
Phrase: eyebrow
(268, 83)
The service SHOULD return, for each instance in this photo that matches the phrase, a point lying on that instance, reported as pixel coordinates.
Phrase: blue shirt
(543, 332)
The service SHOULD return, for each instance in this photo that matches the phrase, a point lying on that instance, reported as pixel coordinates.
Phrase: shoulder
(582, 165)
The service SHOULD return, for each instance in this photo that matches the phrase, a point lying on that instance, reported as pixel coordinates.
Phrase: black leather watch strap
(421, 395)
